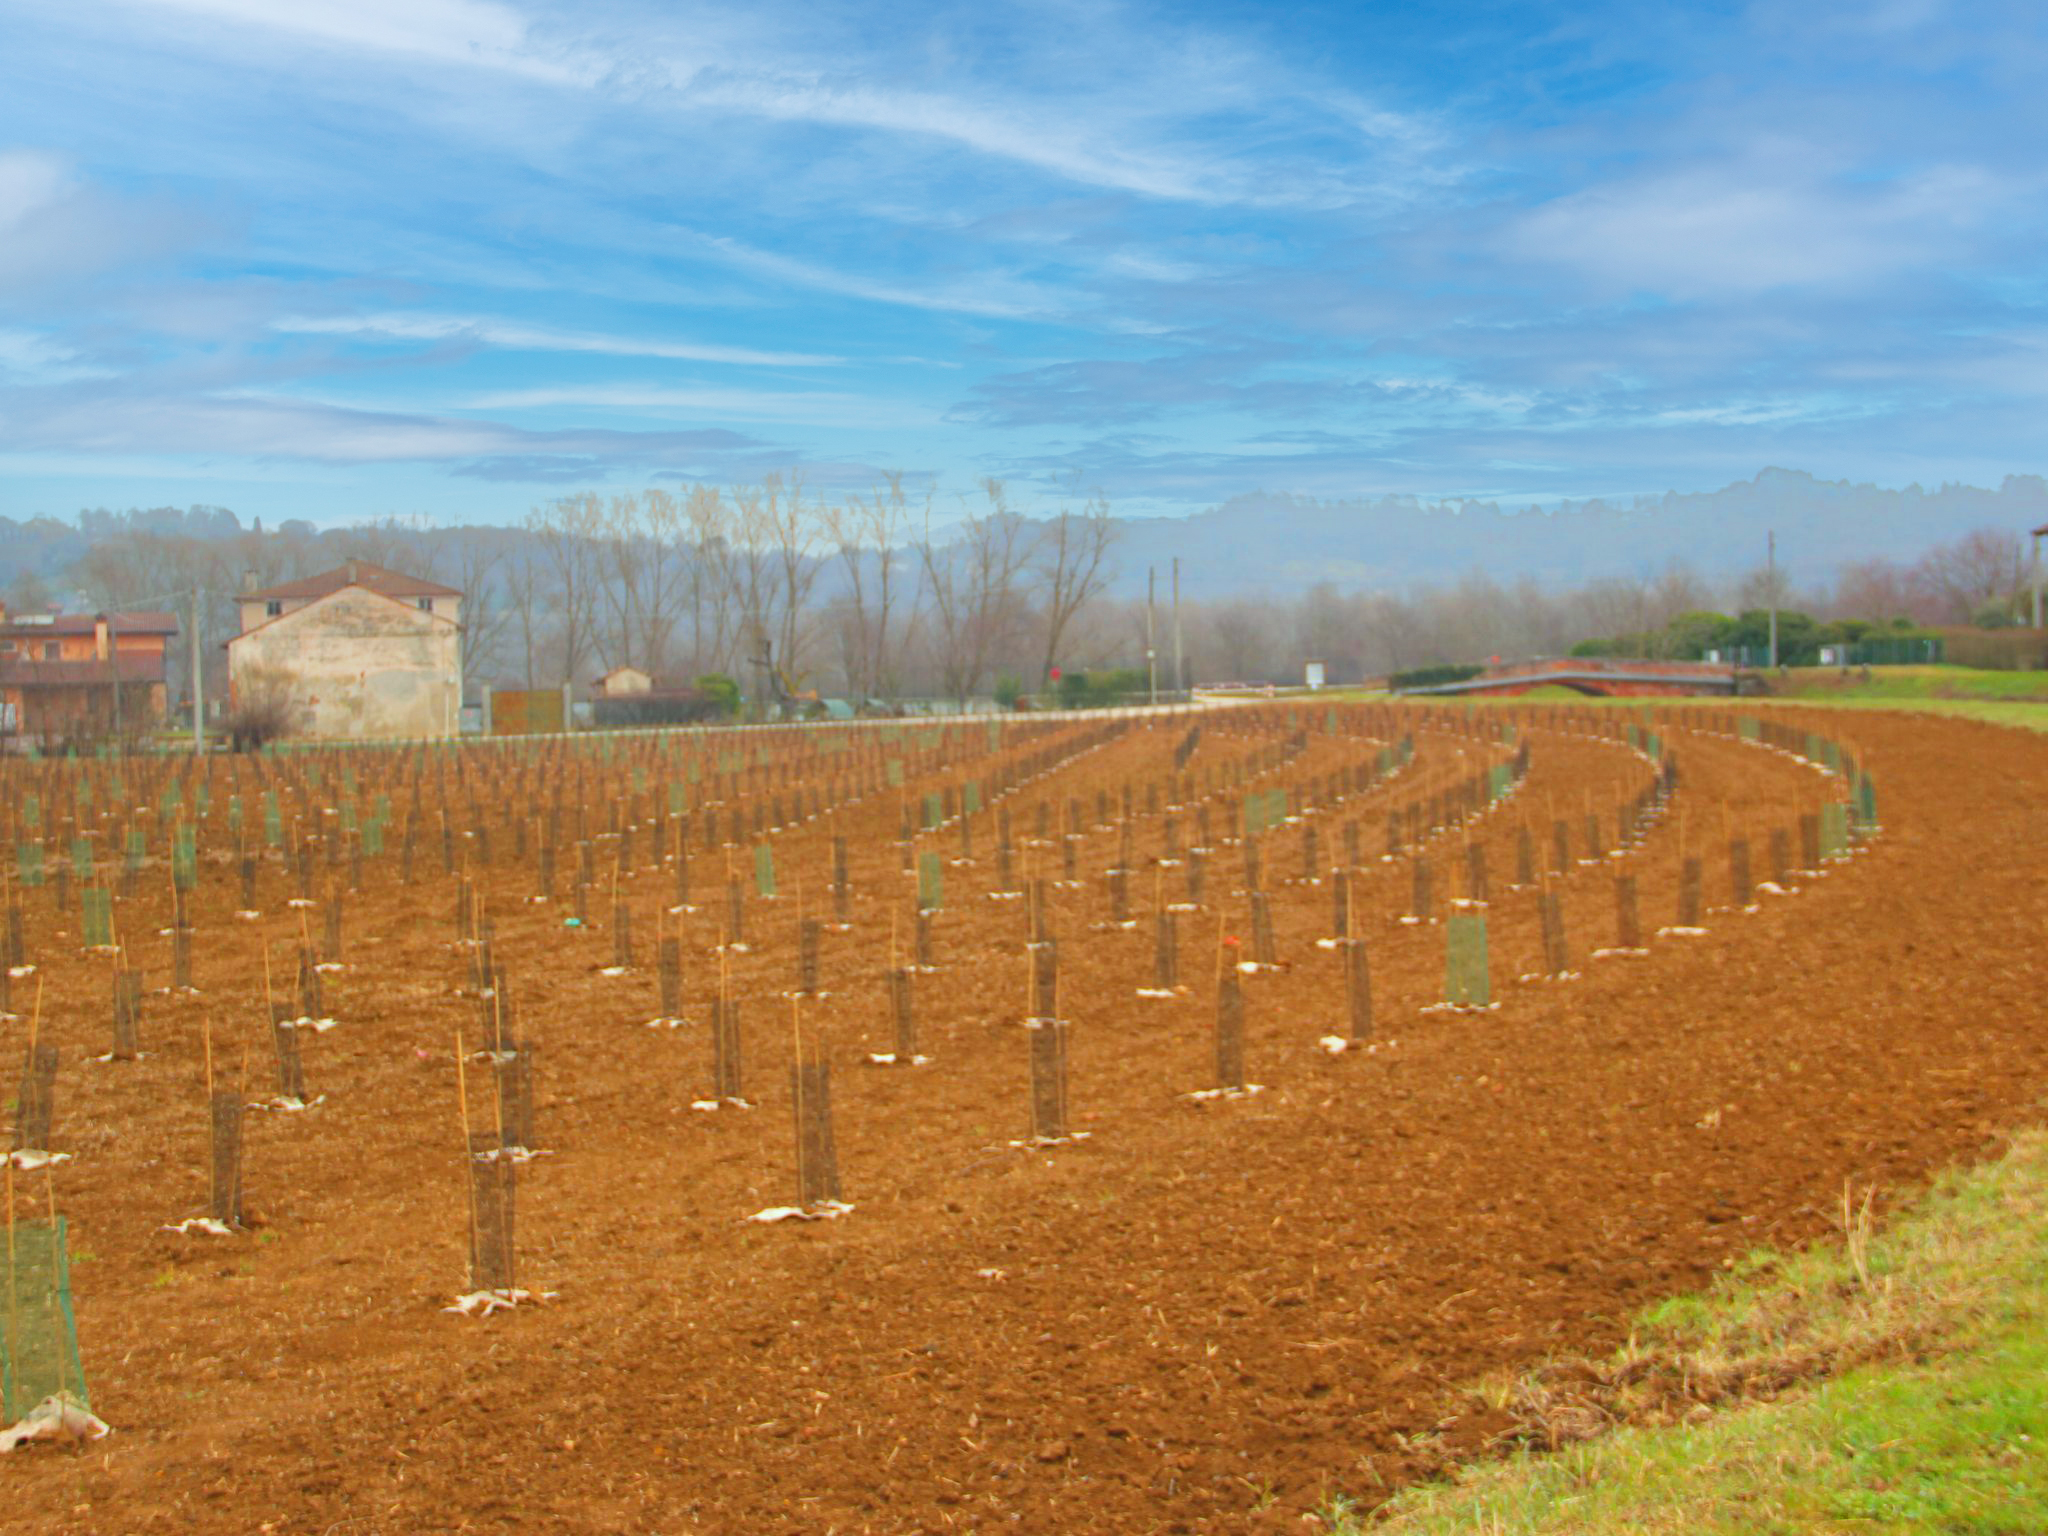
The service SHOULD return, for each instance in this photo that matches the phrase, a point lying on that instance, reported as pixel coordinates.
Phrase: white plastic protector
(28, 1159)
(287, 1104)
(484, 1303)
(57, 1417)
(824, 1210)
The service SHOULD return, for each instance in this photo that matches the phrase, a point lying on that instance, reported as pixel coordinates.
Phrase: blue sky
(337, 258)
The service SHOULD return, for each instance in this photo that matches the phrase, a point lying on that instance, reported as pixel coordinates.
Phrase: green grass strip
(1893, 1381)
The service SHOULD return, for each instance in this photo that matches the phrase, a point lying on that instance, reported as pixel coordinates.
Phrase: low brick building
(70, 679)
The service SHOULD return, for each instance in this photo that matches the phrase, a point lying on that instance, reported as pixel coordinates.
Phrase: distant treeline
(873, 597)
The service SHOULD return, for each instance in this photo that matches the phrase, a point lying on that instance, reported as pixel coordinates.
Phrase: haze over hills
(1281, 544)
(1284, 544)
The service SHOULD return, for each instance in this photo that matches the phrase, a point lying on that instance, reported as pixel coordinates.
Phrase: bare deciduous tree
(1883, 590)
(867, 533)
(566, 533)
(971, 584)
(1983, 569)
(524, 598)
(792, 526)
(1072, 549)
(709, 590)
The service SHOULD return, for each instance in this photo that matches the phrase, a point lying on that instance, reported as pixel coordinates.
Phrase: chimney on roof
(249, 579)
(352, 573)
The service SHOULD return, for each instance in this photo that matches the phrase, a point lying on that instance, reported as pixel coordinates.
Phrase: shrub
(1431, 677)
(1095, 690)
(2002, 650)
(262, 711)
(723, 692)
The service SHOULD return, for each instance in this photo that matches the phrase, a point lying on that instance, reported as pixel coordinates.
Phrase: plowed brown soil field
(1204, 1317)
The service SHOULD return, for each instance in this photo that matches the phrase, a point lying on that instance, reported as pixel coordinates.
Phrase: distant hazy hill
(1281, 543)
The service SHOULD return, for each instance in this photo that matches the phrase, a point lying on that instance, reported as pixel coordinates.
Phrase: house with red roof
(77, 678)
(357, 653)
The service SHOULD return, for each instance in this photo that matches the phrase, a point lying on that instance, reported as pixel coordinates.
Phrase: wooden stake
(498, 1108)
(797, 1039)
(468, 1152)
(212, 1162)
(13, 1294)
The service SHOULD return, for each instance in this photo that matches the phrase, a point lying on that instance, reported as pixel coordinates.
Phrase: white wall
(356, 665)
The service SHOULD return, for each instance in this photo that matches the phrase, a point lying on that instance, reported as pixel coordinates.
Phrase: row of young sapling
(1050, 1031)
(40, 1342)
(513, 1062)
(127, 989)
(492, 1189)
(496, 1152)
(127, 992)
(493, 1156)
(225, 1208)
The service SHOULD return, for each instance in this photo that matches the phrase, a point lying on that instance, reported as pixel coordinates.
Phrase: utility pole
(2037, 575)
(1151, 654)
(114, 670)
(198, 684)
(1771, 566)
(1180, 678)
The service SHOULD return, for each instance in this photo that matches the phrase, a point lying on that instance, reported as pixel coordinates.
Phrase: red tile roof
(17, 626)
(356, 573)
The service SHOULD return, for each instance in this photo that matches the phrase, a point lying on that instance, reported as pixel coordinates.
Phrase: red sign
(1055, 674)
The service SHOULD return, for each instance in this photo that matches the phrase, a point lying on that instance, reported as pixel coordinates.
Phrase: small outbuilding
(622, 682)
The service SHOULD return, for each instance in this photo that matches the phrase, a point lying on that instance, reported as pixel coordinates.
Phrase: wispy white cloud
(1750, 226)
(55, 228)
(1049, 142)
(534, 338)
(811, 407)
(1146, 137)
(998, 295)
(40, 356)
(1152, 267)
(473, 32)
(1743, 413)
(29, 182)
(250, 425)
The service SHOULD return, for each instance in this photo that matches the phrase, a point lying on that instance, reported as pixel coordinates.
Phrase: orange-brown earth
(1205, 1317)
